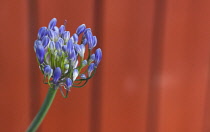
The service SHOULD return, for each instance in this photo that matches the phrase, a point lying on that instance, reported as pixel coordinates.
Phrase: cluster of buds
(62, 58)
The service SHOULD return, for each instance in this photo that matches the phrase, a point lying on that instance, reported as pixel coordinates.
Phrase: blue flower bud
(51, 35)
(90, 46)
(70, 46)
(75, 37)
(75, 74)
(94, 41)
(56, 75)
(64, 48)
(52, 23)
(84, 42)
(72, 55)
(74, 63)
(66, 66)
(56, 36)
(98, 56)
(87, 29)
(68, 83)
(83, 76)
(84, 63)
(48, 71)
(89, 37)
(36, 43)
(40, 52)
(82, 46)
(80, 29)
(58, 45)
(45, 41)
(61, 30)
(61, 41)
(56, 29)
(42, 32)
(92, 58)
(90, 69)
(80, 49)
(66, 36)
(52, 45)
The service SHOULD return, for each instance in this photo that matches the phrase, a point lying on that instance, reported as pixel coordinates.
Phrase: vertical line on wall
(97, 80)
(156, 66)
(206, 118)
(33, 66)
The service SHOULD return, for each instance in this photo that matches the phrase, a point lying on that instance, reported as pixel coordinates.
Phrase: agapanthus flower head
(62, 58)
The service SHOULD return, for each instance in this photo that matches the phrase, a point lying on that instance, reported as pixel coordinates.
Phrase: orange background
(154, 75)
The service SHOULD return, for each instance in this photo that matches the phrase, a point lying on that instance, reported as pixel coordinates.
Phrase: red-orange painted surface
(154, 75)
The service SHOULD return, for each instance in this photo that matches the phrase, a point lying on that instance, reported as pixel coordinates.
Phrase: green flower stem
(43, 110)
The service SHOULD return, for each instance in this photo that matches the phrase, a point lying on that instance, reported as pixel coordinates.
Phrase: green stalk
(43, 110)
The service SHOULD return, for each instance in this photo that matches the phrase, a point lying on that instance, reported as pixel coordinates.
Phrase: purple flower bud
(36, 43)
(68, 83)
(61, 30)
(42, 32)
(87, 29)
(74, 63)
(51, 35)
(40, 52)
(58, 45)
(45, 41)
(48, 71)
(52, 23)
(94, 41)
(80, 29)
(61, 41)
(80, 49)
(89, 37)
(66, 66)
(72, 55)
(70, 46)
(56, 75)
(75, 74)
(56, 29)
(90, 69)
(64, 48)
(92, 58)
(84, 63)
(98, 56)
(84, 41)
(56, 36)
(75, 37)
(52, 45)
(83, 76)
(83, 50)
(66, 36)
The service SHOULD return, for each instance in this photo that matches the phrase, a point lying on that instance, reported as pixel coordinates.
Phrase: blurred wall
(153, 77)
